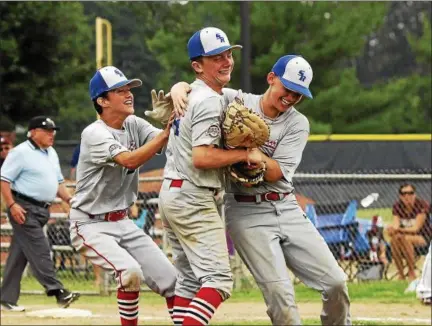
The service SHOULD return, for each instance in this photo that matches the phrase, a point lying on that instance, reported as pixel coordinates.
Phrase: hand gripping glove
(162, 107)
(243, 128)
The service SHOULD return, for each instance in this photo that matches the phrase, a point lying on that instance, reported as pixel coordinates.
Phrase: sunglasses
(404, 193)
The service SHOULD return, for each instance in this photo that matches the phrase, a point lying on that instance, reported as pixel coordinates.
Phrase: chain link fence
(350, 211)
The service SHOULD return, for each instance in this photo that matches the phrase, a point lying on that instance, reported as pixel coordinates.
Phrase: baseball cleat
(6, 306)
(65, 298)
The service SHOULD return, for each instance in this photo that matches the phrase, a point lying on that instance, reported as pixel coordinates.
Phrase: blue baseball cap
(295, 73)
(109, 78)
(209, 41)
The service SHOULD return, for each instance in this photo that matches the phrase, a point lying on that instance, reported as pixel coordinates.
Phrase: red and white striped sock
(170, 305)
(128, 305)
(202, 307)
(180, 308)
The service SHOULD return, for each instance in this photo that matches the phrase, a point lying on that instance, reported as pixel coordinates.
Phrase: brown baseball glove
(247, 175)
(243, 128)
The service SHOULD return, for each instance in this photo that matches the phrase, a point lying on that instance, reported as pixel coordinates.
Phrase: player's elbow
(127, 160)
(199, 163)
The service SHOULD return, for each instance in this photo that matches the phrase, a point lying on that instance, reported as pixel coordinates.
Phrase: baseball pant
(197, 235)
(29, 244)
(125, 250)
(272, 236)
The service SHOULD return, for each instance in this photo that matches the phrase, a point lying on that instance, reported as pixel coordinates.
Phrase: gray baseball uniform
(103, 187)
(187, 204)
(271, 235)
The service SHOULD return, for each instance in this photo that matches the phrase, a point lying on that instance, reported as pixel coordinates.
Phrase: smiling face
(119, 101)
(281, 98)
(215, 70)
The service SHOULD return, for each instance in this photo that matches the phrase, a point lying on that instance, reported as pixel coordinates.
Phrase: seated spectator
(410, 229)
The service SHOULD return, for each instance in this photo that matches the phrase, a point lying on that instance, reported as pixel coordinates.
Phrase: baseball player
(192, 178)
(112, 150)
(269, 229)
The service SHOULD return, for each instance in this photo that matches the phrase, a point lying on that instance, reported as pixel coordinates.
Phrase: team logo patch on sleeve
(113, 149)
(214, 131)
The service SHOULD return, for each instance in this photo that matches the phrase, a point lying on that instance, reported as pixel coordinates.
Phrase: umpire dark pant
(29, 244)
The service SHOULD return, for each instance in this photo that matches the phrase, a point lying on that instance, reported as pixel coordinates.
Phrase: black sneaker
(6, 306)
(65, 298)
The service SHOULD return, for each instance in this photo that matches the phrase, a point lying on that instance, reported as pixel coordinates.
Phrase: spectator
(6, 146)
(410, 229)
(74, 161)
(30, 180)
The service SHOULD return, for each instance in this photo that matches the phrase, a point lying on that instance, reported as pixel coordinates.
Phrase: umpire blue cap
(209, 41)
(109, 78)
(295, 73)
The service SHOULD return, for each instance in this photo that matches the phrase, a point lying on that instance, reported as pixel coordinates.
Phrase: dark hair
(406, 184)
(97, 107)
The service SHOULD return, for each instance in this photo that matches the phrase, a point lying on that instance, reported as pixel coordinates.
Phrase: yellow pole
(100, 24)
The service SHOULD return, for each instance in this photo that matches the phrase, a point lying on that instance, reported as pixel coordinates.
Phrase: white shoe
(6, 306)
(412, 286)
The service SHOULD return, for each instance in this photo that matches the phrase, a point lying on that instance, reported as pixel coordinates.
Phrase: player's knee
(222, 282)
(337, 290)
(131, 278)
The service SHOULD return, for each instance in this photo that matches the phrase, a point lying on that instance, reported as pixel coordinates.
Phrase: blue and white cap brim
(295, 73)
(107, 79)
(296, 88)
(131, 82)
(222, 49)
(209, 41)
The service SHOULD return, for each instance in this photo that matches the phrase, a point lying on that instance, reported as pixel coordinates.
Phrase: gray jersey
(199, 126)
(288, 137)
(102, 185)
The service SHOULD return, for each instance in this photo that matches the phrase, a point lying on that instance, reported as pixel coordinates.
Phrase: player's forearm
(206, 157)
(273, 171)
(7, 193)
(133, 160)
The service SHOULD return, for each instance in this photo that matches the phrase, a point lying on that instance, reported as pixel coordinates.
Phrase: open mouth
(285, 102)
(128, 102)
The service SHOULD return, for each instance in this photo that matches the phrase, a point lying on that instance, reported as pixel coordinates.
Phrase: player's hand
(254, 156)
(162, 107)
(18, 213)
(179, 94)
(167, 129)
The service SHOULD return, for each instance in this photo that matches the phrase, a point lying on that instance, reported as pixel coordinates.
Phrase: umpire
(30, 180)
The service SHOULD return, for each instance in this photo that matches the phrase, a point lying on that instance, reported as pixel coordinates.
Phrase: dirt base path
(241, 313)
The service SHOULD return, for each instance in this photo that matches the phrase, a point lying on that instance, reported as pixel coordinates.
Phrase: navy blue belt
(42, 204)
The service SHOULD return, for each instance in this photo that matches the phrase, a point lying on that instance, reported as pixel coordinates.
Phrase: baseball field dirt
(235, 313)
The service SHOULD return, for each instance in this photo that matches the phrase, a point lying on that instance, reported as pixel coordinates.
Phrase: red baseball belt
(114, 216)
(268, 196)
(178, 183)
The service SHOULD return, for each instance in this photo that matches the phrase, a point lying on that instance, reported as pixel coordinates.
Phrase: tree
(44, 58)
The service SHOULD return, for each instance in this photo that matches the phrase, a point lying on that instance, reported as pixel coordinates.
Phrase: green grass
(385, 213)
(380, 292)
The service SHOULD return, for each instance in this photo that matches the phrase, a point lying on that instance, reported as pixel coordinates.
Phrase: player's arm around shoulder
(289, 150)
(134, 159)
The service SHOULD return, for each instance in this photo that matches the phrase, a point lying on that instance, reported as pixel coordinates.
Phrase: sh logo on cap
(295, 73)
(209, 41)
(109, 78)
